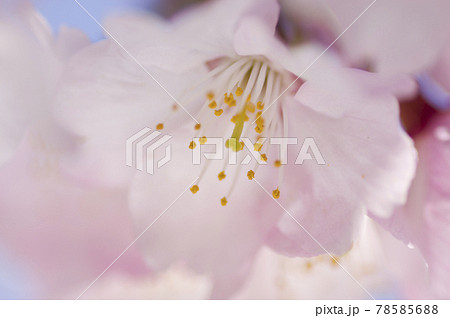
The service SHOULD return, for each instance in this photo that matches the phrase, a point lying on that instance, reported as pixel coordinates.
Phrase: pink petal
(105, 98)
(393, 36)
(425, 219)
(176, 283)
(370, 162)
(194, 36)
(196, 229)
(31, 62)
(62, 234)
(377, 261)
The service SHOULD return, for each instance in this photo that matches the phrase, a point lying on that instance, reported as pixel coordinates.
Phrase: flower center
(242, 99)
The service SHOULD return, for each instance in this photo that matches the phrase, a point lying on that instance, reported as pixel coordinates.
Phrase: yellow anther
(174, 107)
(192, 145)
(202, 140)
(250, 174)
(239, 91)
(210, 95)
(264, 157)
(277, 163)
(218, 112)
(260, 105)
(223, 201)
(242, 145)
(250, 107)
(276, 193)
(234, 119)
(246, 117)
(197, 127)
(229, 100)
(194, 189)
(213, 104)
(334, 260)
(160, 126)
(222, 175)
(257, 146)
(259, 123)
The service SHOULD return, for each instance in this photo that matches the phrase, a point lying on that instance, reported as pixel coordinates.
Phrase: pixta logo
(141, 147)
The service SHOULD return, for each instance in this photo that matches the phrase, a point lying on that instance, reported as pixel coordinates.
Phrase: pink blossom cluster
(368, 81)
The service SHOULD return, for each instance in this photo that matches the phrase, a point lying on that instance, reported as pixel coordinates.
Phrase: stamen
(259, 129)
(160, 126)
(229, 100)
(247, 84)
(334, 260)
(194, 189)
(260, 105)
(276, 193)
(222, 175)
(250, 107)
(223, 201)
(212, 105)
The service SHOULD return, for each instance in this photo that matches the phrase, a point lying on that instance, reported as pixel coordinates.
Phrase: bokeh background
(379, 259)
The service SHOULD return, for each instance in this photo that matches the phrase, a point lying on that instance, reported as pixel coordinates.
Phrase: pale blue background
(68, 13)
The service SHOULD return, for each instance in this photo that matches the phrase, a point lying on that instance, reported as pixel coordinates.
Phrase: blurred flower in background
(70, 96)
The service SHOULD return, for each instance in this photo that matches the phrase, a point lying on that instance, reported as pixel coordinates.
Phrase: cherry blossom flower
(378, 265)
(399, 36)
(61, 233)
(57, 232)
(177, 282)
(224, 65)
(31, 62)
(424, 220)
